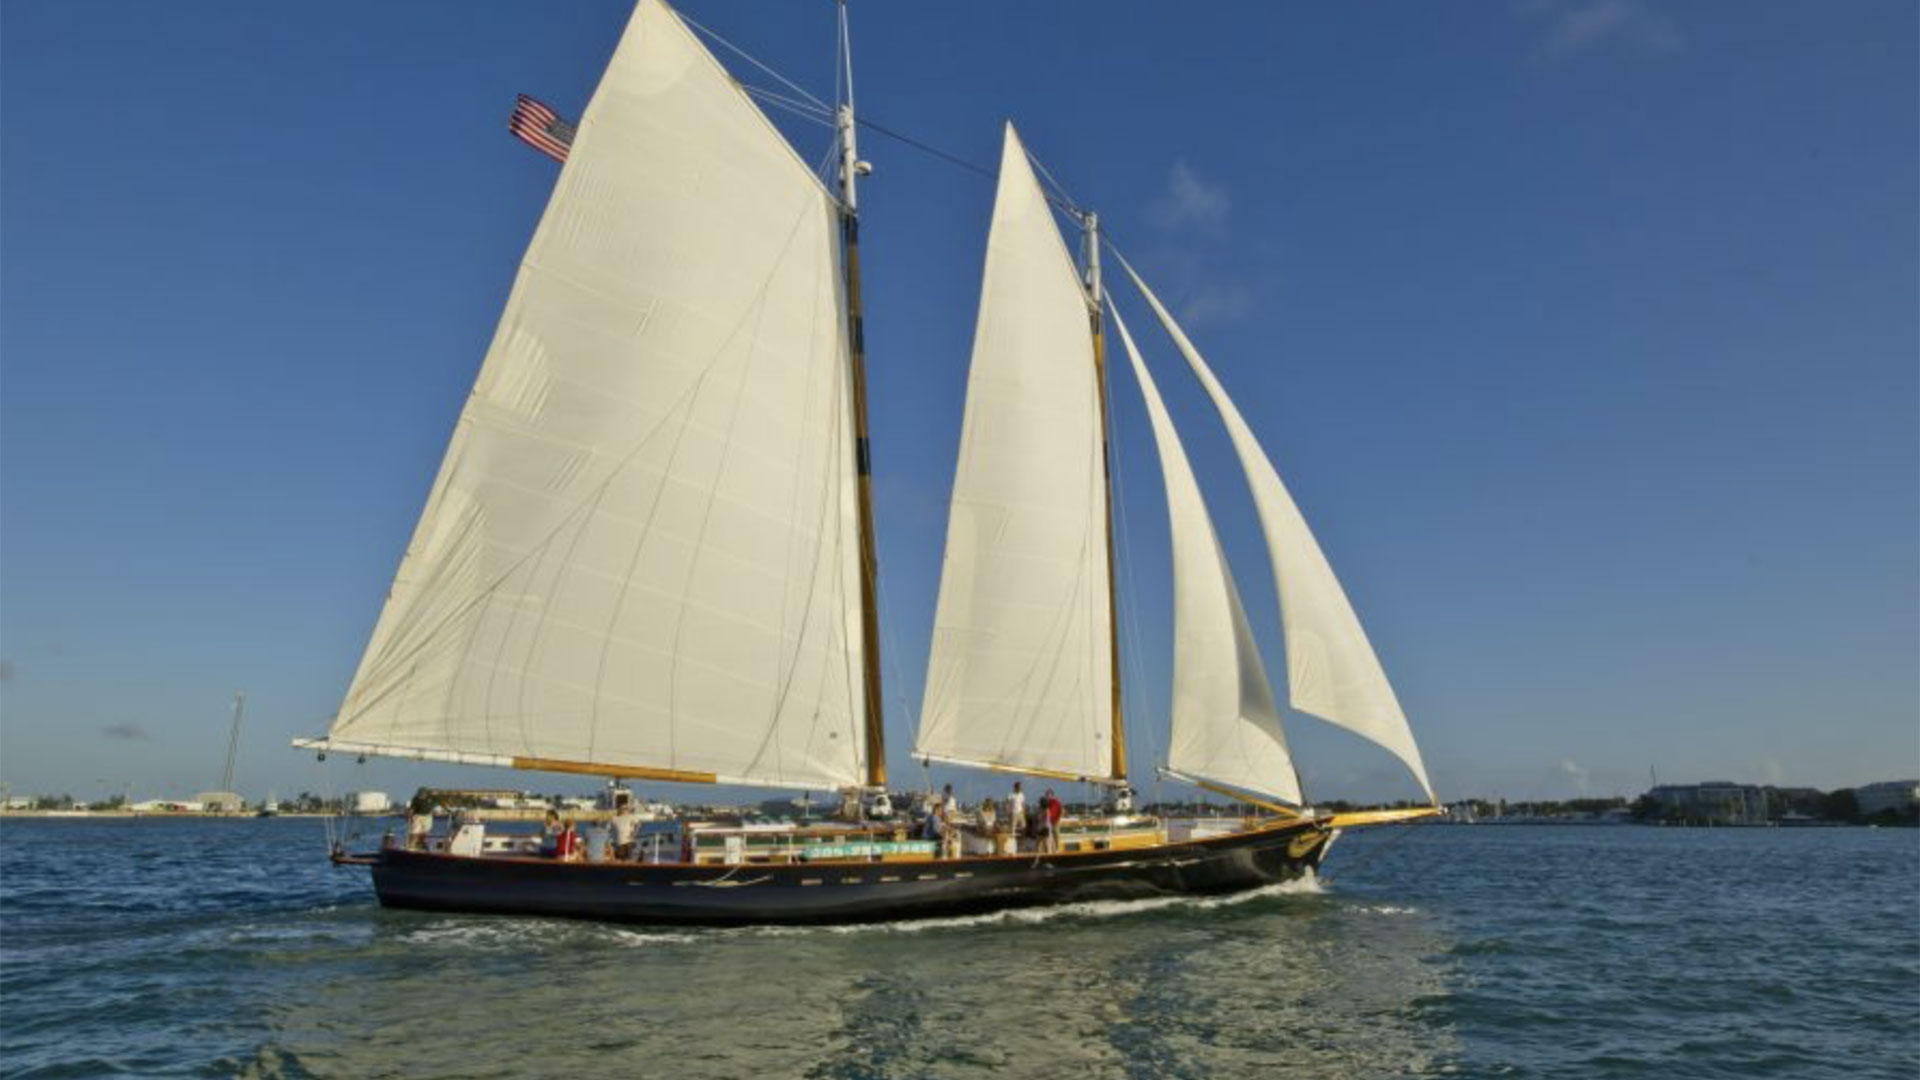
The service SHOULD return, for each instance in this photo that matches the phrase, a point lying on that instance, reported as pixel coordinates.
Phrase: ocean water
(231, 948)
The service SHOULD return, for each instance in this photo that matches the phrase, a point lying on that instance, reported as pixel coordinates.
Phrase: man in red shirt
(1051, 811)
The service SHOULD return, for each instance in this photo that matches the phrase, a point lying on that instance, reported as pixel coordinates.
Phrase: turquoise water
(222, 948)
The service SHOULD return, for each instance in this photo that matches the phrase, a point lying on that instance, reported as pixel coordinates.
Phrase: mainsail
(641, 555)
(1226, 727)
(1020, 674)
(1332, 671)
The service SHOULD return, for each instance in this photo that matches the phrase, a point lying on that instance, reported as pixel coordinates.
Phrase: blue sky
(1584, 332)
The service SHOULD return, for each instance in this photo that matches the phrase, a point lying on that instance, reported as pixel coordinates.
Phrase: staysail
(1332, 671)
(1020, 674)
(1226, 727)
(640, 555)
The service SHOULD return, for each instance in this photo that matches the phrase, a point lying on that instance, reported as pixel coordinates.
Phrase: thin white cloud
(1572, 770)
(1190, 201)
(1571, 27)
(1212, 302)
(1196, 294)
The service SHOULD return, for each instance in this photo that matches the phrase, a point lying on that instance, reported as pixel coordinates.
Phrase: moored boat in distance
(648, 555)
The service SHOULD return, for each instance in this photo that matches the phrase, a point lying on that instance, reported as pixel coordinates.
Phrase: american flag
(541, 128)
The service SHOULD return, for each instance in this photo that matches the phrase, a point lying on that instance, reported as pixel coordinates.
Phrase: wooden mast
(1091, 223)
(850, 167)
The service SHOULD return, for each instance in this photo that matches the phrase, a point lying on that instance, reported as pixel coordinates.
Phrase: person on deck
(550, 835)
(946, 815)
(626, 826)
(1051, 811)
(1017, 810)
(419, 823)
(566, 846)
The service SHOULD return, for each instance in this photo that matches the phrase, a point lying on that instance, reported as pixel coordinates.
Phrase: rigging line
(802, 108)
(827, 161)
(889, 643)
(751, 59)
(1059, 189)
(1130, 614)
(1058, 200)
(1406, 832)
(925, 148)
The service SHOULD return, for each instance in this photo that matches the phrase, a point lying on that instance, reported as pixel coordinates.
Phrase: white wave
(1308, 885)
(519, 934)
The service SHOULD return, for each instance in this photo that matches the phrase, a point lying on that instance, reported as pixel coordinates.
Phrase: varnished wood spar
(1278, 808)
(622, 772)
(1050, 774)
(863, 461)
(1358, 818)
(1106, 476)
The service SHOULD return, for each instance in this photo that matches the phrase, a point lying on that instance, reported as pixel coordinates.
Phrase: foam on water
(1033, 916)
(507, 933)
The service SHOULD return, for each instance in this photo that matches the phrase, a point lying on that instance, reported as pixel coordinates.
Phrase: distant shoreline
(163, 815)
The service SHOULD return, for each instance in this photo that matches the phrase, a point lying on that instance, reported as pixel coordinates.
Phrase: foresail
(641, 550)
(1226, 727)
(1020, 674)
(1332, 671)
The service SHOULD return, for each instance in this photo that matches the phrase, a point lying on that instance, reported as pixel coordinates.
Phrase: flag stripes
(541, 128)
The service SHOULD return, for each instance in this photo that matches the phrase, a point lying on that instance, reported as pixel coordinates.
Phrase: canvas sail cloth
(1332, 671)
(1226, 727)
(1020, 674)
(640, 551)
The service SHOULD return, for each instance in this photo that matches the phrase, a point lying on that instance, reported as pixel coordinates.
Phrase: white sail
(640, 552)
(1021, 671)
(1226, 727)
(1332, 671)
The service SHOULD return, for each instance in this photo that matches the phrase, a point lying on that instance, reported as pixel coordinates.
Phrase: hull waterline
(842, 891)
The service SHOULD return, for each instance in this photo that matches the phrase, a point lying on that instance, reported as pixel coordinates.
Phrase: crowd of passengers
(1007, 825)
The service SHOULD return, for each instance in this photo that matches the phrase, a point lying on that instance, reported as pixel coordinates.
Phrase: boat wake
(515, 934)
(1033, 916)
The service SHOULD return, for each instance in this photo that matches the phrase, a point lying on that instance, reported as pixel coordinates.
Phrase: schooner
(648, 553)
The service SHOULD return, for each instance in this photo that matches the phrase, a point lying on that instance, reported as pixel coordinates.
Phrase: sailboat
(649, 553)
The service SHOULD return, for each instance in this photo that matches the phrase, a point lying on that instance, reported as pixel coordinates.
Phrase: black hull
(842, 891)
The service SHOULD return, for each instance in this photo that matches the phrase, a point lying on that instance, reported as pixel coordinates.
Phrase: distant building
(369, 802)
(1899, 796)
(220, 802)
(166, 806)
(21, 802)
(1717, 802)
